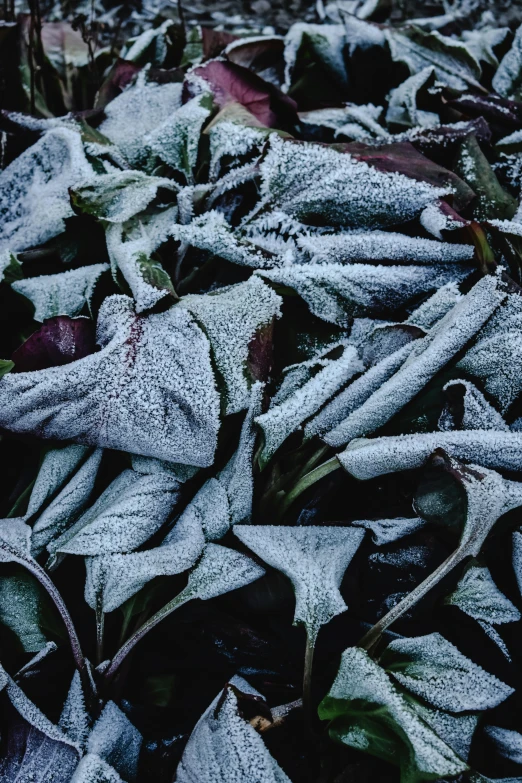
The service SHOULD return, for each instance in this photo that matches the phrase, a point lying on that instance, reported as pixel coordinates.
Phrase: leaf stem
(100, 628)
(371, 638)
(308, 480)
(307, 679)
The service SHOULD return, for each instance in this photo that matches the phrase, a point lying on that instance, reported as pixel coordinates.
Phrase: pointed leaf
(466, 408)
(176, 141)
(385, 531)
(66, 293)
(508, 79)
(478, 596)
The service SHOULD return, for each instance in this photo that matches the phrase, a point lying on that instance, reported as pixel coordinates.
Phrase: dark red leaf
(214, 41)
(500, 112)
(60, 340)
(121, 73)
(263, 56)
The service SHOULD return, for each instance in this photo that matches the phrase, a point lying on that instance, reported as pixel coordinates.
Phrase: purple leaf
(60, 340)
(120, 75)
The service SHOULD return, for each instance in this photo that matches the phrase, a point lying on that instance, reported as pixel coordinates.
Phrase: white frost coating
(219, 571)
(116, 741)
(119, 195)
(176, 141)
(435, 221)
(327, 42)
(517, 557)
(402, 103)
(112, 579)
(179, 471)
(74, 719)
(362, 123)
(434, 669)
(436, 307)
(310, 181)
(366, 458)
(496, 358)
(147, 279)
(506, 80)
(126, 515)
(233, 140)
(137, 111)
(508, 743)
(63, 294)
(57, 466)
(385, 531)
(328, 422)
(314, 559)
(65, 507)
(93, 769)
(150, 390)
(478, 596)
(210, 506)
(427, 358)
(15, 538)
(40, 176)
(152, 39)
(231, 317)
(225, 748)
(211, 232)
(360, 678)
(482, 43)
(382, 246)
(477, 413)
(286, 417)
(336, 293)
(456, 730)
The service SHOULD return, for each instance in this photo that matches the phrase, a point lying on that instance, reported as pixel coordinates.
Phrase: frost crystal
(115, 740)
(150, 390)
(58, 465)
(479, 597)
(66, 293)
(314, 559)
(402, 105)
(40, 175)
(506, 80)
(176, 141)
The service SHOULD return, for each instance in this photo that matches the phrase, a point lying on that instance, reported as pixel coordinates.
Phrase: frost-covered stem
(139, 634)
(100, 628)
(307, 678)
(371, 638)
(309, 480)
(280, 714)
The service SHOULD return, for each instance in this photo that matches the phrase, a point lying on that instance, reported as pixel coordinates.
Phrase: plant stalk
(307, 679)
(309, 480)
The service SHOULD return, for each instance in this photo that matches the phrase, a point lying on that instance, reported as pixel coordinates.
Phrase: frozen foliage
(40, 175)
(326, 40)
(66, 506)
(507, 81)
(420, 752)
(136, 112)
(15, 537)
(225, 748)
(402, 106)
(66, 293)
(508, 743)
(336, 292)
(312, 182)
(219, 571)
(130, 510)
(115, 740)
(57, 466)
(176, 141)
(428, 356)
(475, 411)
(74, 720)
(382, 246)
(232, 318)
(21, 609)
(436, 307)
(150, 389)
(384, 531)
(286, 416)
(314, 559)
(433, 668)
(230, 139)
(479, 597)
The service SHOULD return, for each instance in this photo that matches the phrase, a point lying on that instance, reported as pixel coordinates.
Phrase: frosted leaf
(10, 267)
(211, 507)
(467, 409)
(435, 219)
(482, 43)
(136, 112)
(385, 531)
(286, 417)
(336, 293)
(402, 104)
(455, 730)
(434, 669)
(316, 183)
(118, 195)
(147, 279)
(436, 307)
(225, 748)
(179, 471)
(496, 358)
(112, 579)
(151, 46)
(427, 358)
(31, 667)
(384, 247)
(314, 559)
(232, 317)
(362, 123)
(66, 293)
(115, 740)
(237, 476)
(327, 42)
(507, 81)
(233, 134)
(150, 389)
(93, 769)
(15, 540)
(478, 596)
(508, 743)
(366, 458)
(219, 571)
(517, 557)
(176, 141)
(126, 515)
(22, 606)
(392, 724)
(328, 423)
(40, 175)
(74, 719)
(452, 62)
(57, 467)
(211, 232)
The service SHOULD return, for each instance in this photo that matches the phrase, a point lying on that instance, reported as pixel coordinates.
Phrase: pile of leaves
(260, 398)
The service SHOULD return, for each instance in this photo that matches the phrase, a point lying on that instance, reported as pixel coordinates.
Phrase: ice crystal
(65, 293)
(74, 719)
(57, 466)
(506, 80)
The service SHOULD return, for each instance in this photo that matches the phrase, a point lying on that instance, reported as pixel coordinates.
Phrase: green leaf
(21, 608)
(6, 365)
(492, 200)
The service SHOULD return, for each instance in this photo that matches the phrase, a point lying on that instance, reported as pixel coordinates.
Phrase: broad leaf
(66, 293)
(508, 79)
(385, 531)
(75, 721)
(176, 141)
(466, 408)
(57, 467)
(478, 596)
(22, 609)
(314, 559)
(59, 341)
(149, 390)
(492, 200)
(115, 740)
(508, 743)
(403, 109)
